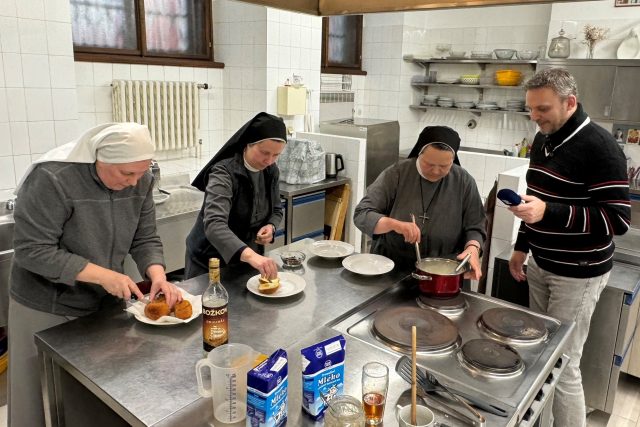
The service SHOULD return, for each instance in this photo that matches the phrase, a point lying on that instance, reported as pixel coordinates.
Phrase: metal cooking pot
(437, 277)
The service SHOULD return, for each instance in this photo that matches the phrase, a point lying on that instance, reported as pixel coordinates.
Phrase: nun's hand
(266, 266)
(409, 230)
(265, 235)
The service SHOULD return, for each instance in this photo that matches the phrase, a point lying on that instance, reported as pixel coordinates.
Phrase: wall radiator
(171, 110)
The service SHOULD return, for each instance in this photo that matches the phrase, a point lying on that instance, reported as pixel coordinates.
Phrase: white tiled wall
(603, 13)
(294, 44)
(38, 107)
(93, 80)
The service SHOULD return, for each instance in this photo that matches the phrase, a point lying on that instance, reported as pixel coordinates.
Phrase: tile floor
(626, 409)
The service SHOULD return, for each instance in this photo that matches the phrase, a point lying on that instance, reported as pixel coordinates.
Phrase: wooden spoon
(414, 420)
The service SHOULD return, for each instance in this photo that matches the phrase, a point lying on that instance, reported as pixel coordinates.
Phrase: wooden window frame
(326, 67)
(141, 54)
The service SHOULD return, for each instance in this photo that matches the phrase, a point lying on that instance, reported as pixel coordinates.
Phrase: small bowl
(292, 259)
(480, 54)
(504, 53)
(527, 55)
(457, 54)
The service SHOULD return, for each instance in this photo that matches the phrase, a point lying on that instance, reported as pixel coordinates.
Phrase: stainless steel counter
(290, 190)
(145, 376)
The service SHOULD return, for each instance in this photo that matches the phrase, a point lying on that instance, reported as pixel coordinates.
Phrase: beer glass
(375, 382)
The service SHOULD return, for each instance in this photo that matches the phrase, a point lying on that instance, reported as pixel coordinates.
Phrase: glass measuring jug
(228, 365)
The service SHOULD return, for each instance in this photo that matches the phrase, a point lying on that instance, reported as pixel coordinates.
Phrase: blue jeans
(568, 299)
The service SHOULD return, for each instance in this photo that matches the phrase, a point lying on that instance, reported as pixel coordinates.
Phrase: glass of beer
(375, 382)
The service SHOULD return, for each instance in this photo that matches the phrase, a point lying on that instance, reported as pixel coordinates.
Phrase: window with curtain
(342, 45)
(170, 32)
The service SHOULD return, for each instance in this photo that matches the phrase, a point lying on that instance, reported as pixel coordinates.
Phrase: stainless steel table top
(146, 373)
(290, 190)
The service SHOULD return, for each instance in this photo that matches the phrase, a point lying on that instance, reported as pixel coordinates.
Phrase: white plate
(368, 264)
(137, 309)
(331, 249)
(290, 284)
(629, 48)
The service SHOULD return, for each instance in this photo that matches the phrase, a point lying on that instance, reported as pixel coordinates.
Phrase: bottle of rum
(215, 300)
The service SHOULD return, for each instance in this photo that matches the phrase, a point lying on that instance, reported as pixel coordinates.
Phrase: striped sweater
(580, 172)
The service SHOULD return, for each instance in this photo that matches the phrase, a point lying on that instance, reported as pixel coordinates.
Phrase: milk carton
(322, 374)
(267, 392)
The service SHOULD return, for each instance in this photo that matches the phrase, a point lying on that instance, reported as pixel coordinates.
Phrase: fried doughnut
(183, 309)
(266, 286)
(156, 309)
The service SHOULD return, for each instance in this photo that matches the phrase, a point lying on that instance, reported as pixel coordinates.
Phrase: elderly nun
(450, 219)
(81, 209)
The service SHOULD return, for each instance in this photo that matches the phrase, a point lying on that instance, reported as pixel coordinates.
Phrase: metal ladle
(413, 218)
(464, 262)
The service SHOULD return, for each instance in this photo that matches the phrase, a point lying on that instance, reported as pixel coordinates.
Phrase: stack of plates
(465, 104)
(447, 79)
(515, 105)
(419, 79)
(443, 101)
(487, 105)
(430, 100)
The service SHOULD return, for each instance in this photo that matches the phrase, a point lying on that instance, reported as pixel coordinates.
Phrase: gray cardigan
(65, 218)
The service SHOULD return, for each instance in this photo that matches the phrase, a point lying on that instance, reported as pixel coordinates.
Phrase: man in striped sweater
(577, 200)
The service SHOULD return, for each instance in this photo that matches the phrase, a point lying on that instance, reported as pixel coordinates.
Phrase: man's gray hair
(557, 79)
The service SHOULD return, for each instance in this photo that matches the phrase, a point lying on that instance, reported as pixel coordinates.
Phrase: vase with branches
(592, 35)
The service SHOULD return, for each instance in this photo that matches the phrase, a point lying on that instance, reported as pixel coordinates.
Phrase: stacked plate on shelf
(487, 105)
(430, 100)
(445, 79)
(465, 104)
(515, 105)
(444, 101)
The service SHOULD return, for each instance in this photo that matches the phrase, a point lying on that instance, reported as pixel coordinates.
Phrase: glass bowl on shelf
(527, 55)
(504, 53)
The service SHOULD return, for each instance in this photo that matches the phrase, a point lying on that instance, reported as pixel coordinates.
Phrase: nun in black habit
(450, 219)
(242, 201)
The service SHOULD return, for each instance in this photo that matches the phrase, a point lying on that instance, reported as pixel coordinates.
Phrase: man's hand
(530, 212)
(516, 265)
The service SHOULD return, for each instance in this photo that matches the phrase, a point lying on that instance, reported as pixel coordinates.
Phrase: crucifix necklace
(425, 208)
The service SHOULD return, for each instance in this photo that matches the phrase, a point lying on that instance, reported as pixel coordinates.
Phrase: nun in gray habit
(450, 219)
(241, 205)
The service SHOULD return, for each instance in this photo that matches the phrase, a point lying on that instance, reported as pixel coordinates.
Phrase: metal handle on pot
(420, 276)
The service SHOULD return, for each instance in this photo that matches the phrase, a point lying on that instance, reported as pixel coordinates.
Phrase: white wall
(599, 13)
(38, 107)
(484, 29)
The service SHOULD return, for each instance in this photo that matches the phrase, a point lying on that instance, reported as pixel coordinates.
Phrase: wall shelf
(475, 111)
(481, 63)
(450, 85)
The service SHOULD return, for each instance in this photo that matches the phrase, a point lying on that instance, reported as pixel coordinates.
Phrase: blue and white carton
(322, 374)
(267, 386)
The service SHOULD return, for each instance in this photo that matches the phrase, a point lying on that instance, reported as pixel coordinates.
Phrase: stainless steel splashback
(383, 141)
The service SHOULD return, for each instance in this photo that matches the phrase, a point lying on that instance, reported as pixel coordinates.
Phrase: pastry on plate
(268, 286)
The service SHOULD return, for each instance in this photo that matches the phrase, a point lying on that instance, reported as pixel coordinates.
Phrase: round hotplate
(514, 324)
(491, 356)
(434, 331)
(446, 305)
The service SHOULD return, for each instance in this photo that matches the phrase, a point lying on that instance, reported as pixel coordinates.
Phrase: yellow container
(4, 362)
